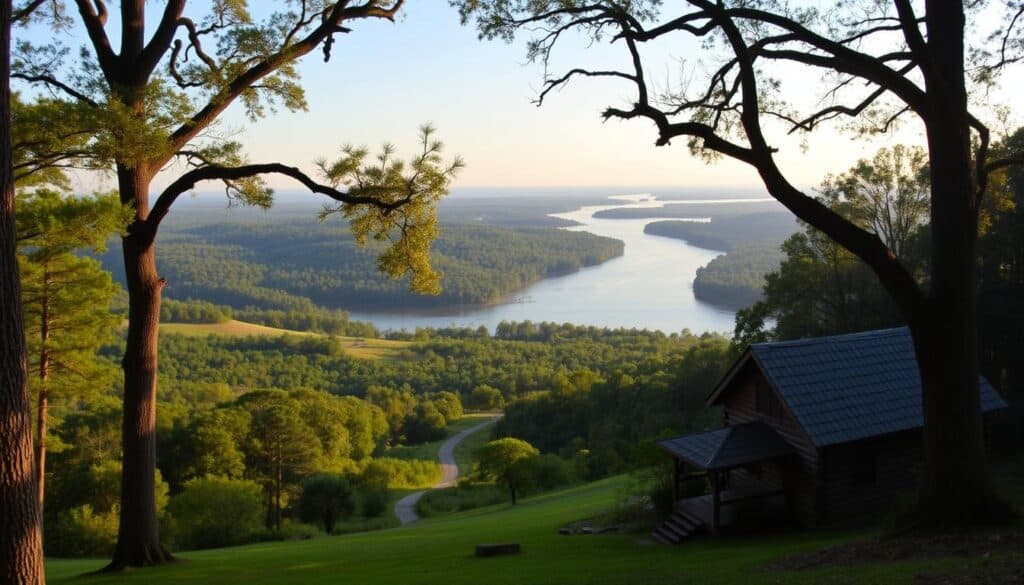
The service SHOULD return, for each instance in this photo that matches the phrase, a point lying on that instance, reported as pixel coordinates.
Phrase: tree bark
(42, 407)
(21, 557)
(956, 490)
(138, 540)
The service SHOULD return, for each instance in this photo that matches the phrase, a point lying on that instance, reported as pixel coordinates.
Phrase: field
(440, 551)
(359, 347)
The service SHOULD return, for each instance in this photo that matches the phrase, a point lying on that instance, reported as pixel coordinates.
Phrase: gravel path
(405, 509)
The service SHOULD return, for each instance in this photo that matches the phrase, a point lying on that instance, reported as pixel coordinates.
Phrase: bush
(387, 472)
(457, 499)
(550, 471)
(485, 397)
(326, 499)
(82, 532)
(373, 503)
(214, 512)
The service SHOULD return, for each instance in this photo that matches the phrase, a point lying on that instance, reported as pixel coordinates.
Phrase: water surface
(650, 286)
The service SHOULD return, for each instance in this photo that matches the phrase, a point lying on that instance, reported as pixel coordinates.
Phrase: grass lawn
(440, 551)
(359, 347)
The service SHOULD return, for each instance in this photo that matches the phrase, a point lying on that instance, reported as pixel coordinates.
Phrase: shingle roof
(848, 387)
(730, 446)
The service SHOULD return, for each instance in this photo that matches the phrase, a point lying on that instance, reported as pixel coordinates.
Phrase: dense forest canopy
(295, 265)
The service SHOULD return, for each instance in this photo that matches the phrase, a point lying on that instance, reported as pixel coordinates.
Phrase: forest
(299, 265)
(593, 398)
(751, 245)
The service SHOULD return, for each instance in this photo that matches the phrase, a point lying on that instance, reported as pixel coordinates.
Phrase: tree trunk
(21, 557)
(956, 491)
(43, 405)
(138, 539)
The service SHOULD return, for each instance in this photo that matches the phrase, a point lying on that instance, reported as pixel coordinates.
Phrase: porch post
(676, 464)
(716, 502)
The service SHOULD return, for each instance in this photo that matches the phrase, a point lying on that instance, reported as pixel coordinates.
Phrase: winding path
(405, 509)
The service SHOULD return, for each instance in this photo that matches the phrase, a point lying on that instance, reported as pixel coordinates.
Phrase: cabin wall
(798, 476)
(860, 481)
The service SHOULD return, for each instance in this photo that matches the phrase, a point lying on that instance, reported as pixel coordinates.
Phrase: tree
(823, 289)
(281, 448)
(66, 300)
(21, 555)
(884, 62)
(507, 461)
(155, 101)
(326, 499)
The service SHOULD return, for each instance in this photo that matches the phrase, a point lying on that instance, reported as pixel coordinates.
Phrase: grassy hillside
(359, 347)
(440, 551)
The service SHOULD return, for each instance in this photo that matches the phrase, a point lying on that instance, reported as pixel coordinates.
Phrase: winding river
(650, 286)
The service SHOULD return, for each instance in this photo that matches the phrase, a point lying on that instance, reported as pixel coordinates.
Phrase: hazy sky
(385, 79)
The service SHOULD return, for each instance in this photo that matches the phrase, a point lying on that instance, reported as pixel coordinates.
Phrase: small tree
(66, 300)
(507, 461)
(326, 499)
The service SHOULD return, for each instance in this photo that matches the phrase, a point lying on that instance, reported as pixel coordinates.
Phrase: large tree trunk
(138, 539)
(956, 490)
(21, 556)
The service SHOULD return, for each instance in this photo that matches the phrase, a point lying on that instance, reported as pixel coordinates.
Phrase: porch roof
(729, 447)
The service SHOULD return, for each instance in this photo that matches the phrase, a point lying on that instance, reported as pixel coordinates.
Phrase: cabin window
(767, 402)
(865, 466)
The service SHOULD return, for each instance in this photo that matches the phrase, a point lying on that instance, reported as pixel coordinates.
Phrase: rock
(565, 531)
(587, 530)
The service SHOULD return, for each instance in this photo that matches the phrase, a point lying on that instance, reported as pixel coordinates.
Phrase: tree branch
(51, 81)
(162, 38)
(95, 19)
(188, 181)
(243, 82)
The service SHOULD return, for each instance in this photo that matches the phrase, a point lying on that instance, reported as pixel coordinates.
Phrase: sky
(386, 79)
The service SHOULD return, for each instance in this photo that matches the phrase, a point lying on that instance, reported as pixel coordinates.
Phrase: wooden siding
(799, 475)
(849, 493)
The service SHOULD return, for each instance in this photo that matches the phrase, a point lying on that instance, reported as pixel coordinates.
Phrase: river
(649, 287)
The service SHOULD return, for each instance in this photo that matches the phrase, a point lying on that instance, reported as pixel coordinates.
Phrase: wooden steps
(679, 527)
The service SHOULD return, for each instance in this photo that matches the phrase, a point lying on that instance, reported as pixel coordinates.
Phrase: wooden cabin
(817, 431)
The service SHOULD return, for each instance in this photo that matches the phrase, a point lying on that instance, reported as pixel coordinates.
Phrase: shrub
(326, 499)
(457, 499)
(373, 503)
(214, 512)
(83, 532)
(387, 472)
(485, 397)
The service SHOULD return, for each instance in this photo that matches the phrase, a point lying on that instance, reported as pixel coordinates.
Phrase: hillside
(751, 242)
(440, 552)
(299, 264)
(359, 347)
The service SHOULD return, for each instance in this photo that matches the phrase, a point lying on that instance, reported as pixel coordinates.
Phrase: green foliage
(326, 499)
(82, 532)
(416, 187)
(373, 502)
(485, 397)
(820, 287)
(248, 268)
(214, 511)
(387, 472)
(508, 461)
(736, 279)
(460, 498)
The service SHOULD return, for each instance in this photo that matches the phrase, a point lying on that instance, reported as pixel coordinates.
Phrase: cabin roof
(729, 447)
(844, 388)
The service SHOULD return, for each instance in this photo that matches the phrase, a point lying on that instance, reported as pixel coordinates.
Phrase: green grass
(465, 450)
(440, 551)
(360, 347)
